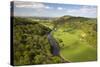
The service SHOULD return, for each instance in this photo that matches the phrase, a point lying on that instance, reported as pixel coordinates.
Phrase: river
(55, 47)
(54, 44)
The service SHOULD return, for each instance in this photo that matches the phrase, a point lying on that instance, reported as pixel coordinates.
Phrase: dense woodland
(31, 44)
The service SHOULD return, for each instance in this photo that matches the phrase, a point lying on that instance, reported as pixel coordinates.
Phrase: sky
(41, 9)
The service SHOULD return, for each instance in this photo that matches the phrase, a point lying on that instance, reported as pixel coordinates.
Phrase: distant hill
(73, 19)
(74, 22)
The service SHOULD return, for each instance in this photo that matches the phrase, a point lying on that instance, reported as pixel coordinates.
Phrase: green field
(47, 24)
(73, 45)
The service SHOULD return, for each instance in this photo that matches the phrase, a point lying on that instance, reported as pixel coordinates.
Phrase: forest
(31, 44)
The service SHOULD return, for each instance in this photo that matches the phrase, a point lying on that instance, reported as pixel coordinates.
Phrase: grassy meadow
(73, 47)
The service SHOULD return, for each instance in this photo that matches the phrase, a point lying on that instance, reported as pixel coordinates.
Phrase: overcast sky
(53, 10)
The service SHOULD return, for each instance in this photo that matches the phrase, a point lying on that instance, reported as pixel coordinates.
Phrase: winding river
(54, 44)
(55, 47)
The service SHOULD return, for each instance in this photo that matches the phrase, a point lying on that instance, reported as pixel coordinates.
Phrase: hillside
(77, 37)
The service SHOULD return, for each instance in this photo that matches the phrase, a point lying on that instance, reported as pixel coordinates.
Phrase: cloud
(84, 9)
(47, 7)
(34, 5)
(60, 8)
(88, 11)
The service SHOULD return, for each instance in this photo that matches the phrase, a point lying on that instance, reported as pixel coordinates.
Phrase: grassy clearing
(73, 46)
(50, 25)
(79, 53)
